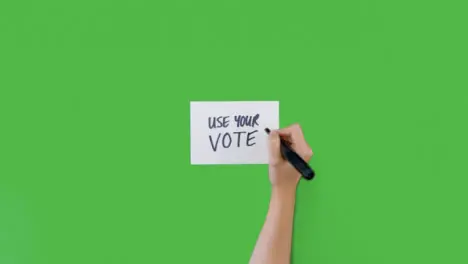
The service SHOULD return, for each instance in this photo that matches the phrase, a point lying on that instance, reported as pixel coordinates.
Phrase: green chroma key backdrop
(95, 140)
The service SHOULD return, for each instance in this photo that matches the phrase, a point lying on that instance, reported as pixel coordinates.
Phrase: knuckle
(308, 153)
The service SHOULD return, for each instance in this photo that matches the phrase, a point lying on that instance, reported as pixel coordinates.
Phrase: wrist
(284, 190)
(283, 197)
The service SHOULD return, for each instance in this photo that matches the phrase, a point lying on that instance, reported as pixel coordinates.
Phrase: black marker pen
(290, 155)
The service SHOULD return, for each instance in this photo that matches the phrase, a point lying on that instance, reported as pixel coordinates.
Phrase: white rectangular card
(231, 132)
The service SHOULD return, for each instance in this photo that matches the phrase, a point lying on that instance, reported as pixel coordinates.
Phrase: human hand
(281, 172)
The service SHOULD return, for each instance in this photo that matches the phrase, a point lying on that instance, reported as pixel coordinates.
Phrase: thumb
(274, 147)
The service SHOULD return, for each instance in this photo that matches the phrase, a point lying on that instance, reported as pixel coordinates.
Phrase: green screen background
(95, 141)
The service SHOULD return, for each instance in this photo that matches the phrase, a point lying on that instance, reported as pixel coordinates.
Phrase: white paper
(239, 136)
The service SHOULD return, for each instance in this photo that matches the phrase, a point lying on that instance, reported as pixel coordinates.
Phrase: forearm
(274, 243)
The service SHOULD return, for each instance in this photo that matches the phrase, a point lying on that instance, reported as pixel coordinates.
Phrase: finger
(293, 134)
(274, 147)
(298, 142)
(293, 130)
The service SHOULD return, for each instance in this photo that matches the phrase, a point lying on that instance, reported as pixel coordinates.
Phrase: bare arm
(274, 242)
